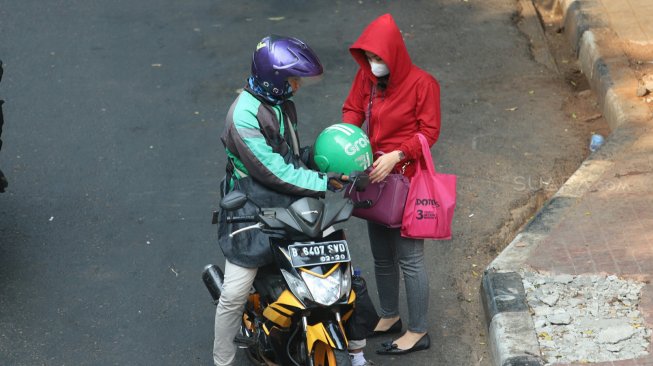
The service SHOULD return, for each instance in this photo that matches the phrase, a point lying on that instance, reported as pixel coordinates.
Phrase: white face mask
(379, 69)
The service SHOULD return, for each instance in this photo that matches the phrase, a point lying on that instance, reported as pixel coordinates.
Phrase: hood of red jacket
(383, 38)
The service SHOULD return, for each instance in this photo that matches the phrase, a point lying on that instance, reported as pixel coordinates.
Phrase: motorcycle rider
(265, 161)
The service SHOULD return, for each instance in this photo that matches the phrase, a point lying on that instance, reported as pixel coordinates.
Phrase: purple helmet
(277, 58)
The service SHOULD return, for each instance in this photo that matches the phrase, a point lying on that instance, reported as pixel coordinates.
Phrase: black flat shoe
(394, 328)
(389, 348)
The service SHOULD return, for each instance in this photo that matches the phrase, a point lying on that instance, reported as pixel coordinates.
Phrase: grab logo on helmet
(359, 144)
(355, 146)
(342, 148)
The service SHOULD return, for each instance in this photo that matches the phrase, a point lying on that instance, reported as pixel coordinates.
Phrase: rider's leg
(235, 290)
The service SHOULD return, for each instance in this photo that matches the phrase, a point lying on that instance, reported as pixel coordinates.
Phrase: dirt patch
(581, 104)
(583, 108)
(641, 59)
(641, 62)
(641, 54)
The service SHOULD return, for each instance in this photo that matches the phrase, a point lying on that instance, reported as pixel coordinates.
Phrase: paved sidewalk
(601, 220)
(630, 19)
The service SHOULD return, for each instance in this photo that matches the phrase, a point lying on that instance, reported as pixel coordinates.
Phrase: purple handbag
(382, 203)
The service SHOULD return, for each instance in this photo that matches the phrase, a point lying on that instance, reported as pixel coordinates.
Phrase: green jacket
(260, 143)
(264, 161)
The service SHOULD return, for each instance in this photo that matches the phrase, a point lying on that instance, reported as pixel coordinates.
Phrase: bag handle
(426, 151)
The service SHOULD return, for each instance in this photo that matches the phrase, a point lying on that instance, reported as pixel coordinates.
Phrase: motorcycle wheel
(342, 357)
(326, 356)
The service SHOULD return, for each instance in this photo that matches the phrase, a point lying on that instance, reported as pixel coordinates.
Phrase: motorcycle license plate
(315, 254)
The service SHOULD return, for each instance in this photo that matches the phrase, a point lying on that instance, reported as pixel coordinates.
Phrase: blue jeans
(392, 252)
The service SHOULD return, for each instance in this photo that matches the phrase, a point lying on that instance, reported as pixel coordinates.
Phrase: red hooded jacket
(409, 104)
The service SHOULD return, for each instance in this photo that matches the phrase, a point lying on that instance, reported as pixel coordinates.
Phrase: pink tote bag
(431, 201)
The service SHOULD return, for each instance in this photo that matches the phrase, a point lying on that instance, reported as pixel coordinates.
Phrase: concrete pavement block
(513, 340)
(511, 330)
(502, 292)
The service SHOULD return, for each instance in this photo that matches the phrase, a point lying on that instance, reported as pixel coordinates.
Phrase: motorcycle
(297, 306)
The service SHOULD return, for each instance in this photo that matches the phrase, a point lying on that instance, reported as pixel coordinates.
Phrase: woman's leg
(386, 269)
(228, 314)
(410, 253)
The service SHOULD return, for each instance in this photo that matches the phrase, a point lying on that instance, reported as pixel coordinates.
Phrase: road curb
(606, 68)
(512, 337)
(611, 78)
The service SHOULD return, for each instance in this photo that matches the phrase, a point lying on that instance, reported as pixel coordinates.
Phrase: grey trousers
(391, 253)
(228, 314)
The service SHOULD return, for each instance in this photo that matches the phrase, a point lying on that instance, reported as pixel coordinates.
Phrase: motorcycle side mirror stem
(360, 180)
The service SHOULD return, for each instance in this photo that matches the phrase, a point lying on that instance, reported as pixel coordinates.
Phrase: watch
(402, 156)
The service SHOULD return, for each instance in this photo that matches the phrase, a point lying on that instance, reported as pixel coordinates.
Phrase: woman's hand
(384, 165)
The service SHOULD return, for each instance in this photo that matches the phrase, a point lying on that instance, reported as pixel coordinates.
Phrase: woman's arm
(353, 110)
(427, 113)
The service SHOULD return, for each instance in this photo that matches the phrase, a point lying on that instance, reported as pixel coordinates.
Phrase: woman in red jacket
(393, 100)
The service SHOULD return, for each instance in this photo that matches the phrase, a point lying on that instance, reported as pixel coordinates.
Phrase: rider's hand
(336, 181)
(384, 165)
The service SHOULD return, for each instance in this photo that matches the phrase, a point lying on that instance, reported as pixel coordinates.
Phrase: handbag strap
(368, 112)
(426, 152)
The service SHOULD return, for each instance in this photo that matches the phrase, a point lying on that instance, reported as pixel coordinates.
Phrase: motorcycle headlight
(325, 291)
(297, 286)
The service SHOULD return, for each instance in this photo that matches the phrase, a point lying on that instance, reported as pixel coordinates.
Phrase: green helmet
(342, 148)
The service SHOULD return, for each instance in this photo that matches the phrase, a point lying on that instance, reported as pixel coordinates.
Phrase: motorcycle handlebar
(241, 219)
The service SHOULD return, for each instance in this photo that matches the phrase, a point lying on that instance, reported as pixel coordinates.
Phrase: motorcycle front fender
(328, 332)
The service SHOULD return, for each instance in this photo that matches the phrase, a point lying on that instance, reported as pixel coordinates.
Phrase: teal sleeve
(268, 166)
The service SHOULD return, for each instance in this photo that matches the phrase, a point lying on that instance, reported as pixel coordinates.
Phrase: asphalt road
(113, 112)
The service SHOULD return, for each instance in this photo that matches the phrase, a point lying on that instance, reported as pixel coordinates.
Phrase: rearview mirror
(233, 200)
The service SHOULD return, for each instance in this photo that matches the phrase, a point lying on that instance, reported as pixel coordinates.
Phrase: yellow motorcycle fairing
(350, 301)
(281, 311)
(325, 337)
(333, 269)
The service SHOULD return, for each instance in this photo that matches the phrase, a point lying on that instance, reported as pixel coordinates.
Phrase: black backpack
(363, 320)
